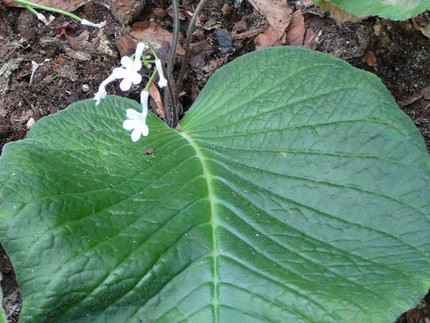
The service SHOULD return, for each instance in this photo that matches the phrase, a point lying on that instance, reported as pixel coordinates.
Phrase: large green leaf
(390, 9)
(296, 191)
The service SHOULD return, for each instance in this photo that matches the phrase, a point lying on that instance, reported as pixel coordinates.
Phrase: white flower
(162, 82)
(42, 18)
(85, 22)
(101, 93)
(128, 72)
(144, 96)
(137, 121)
(140, 48)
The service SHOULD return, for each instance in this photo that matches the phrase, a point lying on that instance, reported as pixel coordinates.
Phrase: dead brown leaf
(126, 45)
(153, 33)
(377, 28)
(240, 25)
(338, 14)
(370, 58)
(156, 96)
(422, 23)
(296, 30)
(277, 13)
(212, 23)
(250, 33)
(199, 52)
(126, 10)
(268, 38)
(81, 43)
(183, 13)
(310, 37)
(424, 93)
(70, 5)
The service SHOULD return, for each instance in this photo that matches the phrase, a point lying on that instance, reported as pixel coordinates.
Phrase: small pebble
(223, 38)
(30, 123)
(85, 88)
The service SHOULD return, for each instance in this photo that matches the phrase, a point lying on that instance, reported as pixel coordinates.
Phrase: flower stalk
(32, 6)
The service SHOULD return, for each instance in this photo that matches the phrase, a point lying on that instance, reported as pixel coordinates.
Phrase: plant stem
(27, 3)
(170, 103)
(151, 78)
(180, 81)
(32, 10)
(172, 53)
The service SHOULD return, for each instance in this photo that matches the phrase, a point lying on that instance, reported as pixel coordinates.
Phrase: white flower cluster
(129, 74)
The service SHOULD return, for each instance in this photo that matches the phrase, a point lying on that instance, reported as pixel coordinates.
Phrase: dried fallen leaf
(199, 52)
(152, 32)
(377, 28)
(70, 5)
(310, 38)
(277, 13)
(268, 38)
(424, 93)
(338, 14)
(296, 30)
(422, 23)
(370, 58)
(126, 45)
(212, 23)
(250, 33)
(81, 43)
(240, 25)
(156, 96)
(183, 13)
(126, 10)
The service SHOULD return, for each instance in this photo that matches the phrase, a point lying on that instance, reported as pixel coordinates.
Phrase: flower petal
(135, 135)
(119, 73)
(140, 48)
(125, 84)
(129, 124)
(132, 114)
(136, 78)
(85, 22)
(137, 66)
(159, 66)
(144, 95)
(162, 82)
(100, 95)
(127, 62)
(144, 130)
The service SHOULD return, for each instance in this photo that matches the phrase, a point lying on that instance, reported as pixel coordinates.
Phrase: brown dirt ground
(72, 63)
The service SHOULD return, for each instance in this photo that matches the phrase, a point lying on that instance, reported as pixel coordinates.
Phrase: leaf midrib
(211, 197)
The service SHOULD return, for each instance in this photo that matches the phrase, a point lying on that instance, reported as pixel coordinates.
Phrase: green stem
(32, 10)
(151, 78)
(171, 114)
(31, 4)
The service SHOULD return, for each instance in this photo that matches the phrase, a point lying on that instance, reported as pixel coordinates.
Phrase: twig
(170, 101)
(172, 53)
(187, 49)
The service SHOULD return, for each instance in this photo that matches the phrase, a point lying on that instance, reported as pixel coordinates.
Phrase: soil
(73, 60)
